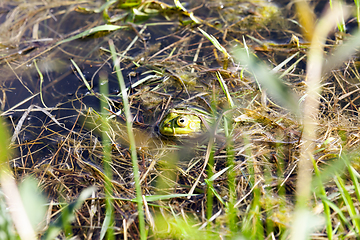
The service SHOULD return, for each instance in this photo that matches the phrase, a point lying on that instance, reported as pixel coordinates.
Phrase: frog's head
(181, 123)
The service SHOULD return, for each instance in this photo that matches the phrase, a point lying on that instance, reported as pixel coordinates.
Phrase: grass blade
(353, 175)
(348, 202)
(81, 75)
(218, 46)
(131, 140)
(325, 204)
(41, 82)
(215, 42)
(91, 31)
(225, 89)
(107, 161)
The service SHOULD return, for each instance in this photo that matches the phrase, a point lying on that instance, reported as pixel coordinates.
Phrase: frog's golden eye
(182, 121)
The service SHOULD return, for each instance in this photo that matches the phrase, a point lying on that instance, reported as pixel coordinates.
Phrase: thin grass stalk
(41, 83)
(251, 162)
(310, 113)
(210, 187)
(109, 216)
(252, 226)
(230, 209)
(81, 75)
(225, 89)
(210, 173)
(311, 106)
(128, 116)
(357, 4)
(246, 48)
(218, 46)
(258, 229)
(325, 204)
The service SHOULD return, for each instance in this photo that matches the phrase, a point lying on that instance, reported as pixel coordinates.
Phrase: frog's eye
(182, 121)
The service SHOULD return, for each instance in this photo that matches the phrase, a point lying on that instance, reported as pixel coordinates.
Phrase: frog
(182, 123)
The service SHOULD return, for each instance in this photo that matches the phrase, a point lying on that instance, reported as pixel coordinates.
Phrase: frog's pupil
(182, 122)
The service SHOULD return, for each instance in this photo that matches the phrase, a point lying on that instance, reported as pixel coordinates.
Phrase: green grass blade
(348, 202)
(334, 207)
(213, 190)
(102, 28)
(225, 89)
(216, 44)
(179, 5)
(325, 204)
(41, 82)
(218, 174)
(124, 96)
(230, 153)
(107, 161)
(353, 175)
(105, 226)
(81, 75)
(357, 4)
(340, 22)
(210, 191)
(190, 14)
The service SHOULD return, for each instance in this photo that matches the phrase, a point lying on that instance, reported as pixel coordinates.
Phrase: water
(176, 60)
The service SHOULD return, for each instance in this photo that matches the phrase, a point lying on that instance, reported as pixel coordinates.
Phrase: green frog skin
(181, 123)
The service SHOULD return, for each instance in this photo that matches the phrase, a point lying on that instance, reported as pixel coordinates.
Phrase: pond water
(165, 61)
